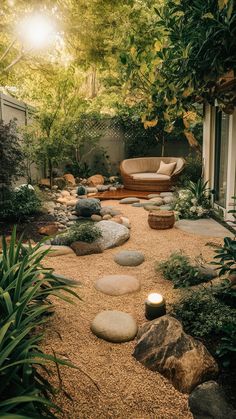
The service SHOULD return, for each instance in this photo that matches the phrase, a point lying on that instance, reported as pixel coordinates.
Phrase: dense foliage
(19, 204)
(24, 306)
(11, 154)
(194, 201)
(179, 269)
(86, 232)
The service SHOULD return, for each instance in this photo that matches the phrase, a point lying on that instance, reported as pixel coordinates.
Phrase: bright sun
(36, 31)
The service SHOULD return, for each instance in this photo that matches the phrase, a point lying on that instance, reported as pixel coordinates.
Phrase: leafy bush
(226, 257)
(194, 201)
(86, 232)
(19, 204)
(25, 287)
(203, 315)
(178, 269)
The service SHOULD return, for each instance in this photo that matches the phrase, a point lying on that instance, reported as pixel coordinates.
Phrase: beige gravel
(126, 389)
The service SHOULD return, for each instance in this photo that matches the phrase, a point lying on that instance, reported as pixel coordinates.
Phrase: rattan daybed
(140, 174)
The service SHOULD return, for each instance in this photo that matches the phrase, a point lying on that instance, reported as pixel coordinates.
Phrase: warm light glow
(155, 298)
(36, 31)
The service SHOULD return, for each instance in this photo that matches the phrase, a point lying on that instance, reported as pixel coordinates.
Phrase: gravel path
(126, 389)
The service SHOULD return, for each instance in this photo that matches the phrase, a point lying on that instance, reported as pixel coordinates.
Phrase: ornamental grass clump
(25, 288)
(193, 202)
(178, 269)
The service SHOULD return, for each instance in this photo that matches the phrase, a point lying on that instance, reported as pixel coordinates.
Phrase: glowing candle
(155, 306)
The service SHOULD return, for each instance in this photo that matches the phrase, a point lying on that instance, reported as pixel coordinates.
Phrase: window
(221, 157)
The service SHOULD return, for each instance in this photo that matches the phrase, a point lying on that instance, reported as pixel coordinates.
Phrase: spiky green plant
(25, 286)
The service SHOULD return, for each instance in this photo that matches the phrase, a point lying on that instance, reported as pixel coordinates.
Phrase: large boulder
(114, 326)
(113, 234)
(207, 401)
(95, 180)
(163, 346)
(87, 207)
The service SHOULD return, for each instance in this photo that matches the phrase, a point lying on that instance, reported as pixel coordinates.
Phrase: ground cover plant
(179, 269)
(25, 288)
(86, 232)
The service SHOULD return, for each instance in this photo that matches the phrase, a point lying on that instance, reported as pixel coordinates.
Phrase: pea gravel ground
(110, 383)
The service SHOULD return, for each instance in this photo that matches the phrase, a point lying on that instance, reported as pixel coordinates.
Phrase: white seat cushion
(150, 176)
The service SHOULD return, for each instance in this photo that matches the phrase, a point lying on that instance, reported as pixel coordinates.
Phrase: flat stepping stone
(153, 195)
(114, 326)
(129, 258)
(117, 284)
(203, 227)
(129, 200)
(144, 204)
(163, 194)
(157, 201)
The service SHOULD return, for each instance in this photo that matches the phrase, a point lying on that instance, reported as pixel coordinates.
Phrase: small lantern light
(155, 306)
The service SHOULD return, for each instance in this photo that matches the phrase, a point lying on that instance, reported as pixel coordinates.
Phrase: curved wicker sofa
(139, 174)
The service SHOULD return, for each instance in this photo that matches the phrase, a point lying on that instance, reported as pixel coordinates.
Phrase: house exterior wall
(209, 149)
(11, 108)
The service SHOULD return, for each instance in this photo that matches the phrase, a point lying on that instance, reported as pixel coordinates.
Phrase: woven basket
(161, 220)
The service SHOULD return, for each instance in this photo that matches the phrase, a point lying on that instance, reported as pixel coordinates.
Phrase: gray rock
(207, 401)
(113, 188)
(70, 223)
(165, 207)
(82, 248)
(114, 326)
(158, 201)
(109, 210)
(113, 234)
(117, 284)
(102, 188)
(129, 200)
(91, 189)
(207, 272)
(88, 206)
(129, 258)
(73, 217)
(163, 346)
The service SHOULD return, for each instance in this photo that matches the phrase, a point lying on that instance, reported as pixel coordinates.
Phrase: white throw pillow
(166, 168)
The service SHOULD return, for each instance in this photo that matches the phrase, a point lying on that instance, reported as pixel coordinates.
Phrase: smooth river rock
(117, 284)
(114, 326)
(129, 258)
(129, 200)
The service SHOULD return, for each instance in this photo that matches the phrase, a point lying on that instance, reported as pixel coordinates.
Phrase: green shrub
(86, 232)
(25, 287)
(19, 204)
(178, 269)
(226, 257)
(203, 315)
(193, 202)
